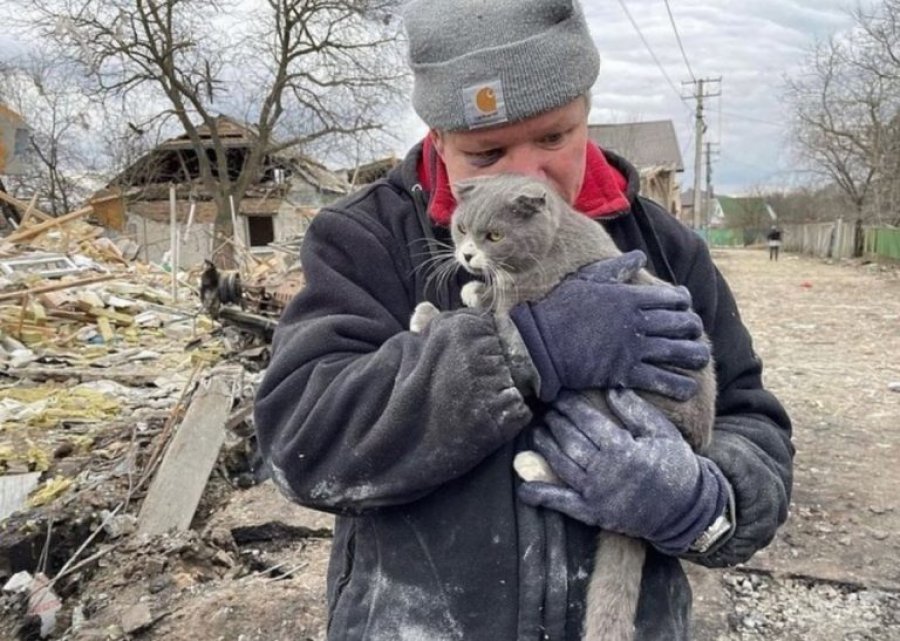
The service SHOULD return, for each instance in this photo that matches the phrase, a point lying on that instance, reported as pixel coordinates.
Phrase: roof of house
(746, 209)
(10, 115)
(319, 175)
(233, 135)
(371, 171)
(644, 144)
(687, 196)
(742, 206)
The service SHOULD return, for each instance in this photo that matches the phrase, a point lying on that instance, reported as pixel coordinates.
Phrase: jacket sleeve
(355, 412)
(751, 441)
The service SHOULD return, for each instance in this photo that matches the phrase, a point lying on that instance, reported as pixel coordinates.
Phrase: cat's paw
(471, 293)
(422, 315)
(531, 466)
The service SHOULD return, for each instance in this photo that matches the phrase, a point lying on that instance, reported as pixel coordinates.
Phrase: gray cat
(520, 237)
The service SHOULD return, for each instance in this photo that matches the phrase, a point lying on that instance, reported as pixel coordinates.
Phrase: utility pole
(710, 196)
(700, 92)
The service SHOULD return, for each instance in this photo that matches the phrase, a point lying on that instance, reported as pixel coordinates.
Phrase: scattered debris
(125, 414)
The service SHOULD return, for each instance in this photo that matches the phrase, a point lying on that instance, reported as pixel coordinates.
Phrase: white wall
(155, 240)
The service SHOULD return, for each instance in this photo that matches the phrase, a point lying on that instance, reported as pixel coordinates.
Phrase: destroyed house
(652, 147)
(276, 207)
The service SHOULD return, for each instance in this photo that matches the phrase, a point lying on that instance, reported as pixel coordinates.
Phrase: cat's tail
(614, 588)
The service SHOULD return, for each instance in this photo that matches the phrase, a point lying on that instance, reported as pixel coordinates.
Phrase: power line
(678, 38)
(751, 118)
(650, 51)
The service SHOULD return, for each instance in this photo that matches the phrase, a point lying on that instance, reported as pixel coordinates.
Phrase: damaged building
(275, 208)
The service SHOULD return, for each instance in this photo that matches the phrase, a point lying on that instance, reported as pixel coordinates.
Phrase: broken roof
(644, 144)
(230, 131)
(158, 164)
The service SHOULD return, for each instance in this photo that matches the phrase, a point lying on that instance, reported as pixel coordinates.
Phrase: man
(410, 438)
(774, 242)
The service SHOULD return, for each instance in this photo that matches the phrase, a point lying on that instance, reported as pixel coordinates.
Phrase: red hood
(602, 194)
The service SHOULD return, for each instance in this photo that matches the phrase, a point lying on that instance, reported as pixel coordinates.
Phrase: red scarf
(602, 194)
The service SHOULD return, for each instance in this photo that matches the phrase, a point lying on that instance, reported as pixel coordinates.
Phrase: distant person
(774, 238)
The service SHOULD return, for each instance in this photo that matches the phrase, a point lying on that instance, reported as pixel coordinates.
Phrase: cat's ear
(531, 200)
(462, 189)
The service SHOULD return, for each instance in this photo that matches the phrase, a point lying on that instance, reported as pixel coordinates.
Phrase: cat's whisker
(442, 272)
(434, 262)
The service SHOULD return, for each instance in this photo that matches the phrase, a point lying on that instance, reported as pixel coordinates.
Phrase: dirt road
(829, 337)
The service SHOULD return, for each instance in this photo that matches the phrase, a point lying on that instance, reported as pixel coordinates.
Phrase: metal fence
(883, 242)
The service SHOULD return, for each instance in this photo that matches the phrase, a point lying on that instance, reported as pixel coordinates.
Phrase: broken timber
(29, 232)
(56, 287)
(176, 489)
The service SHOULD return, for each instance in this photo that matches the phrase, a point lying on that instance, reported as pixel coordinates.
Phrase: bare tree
(40, 85)
(880, 58)
(300, 71)
(845, 110)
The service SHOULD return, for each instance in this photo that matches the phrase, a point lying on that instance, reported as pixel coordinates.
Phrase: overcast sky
(749, 44)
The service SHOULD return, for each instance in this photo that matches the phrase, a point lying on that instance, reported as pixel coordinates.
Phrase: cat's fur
(523, 239)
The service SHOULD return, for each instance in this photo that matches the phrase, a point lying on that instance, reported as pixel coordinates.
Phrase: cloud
(750, 45)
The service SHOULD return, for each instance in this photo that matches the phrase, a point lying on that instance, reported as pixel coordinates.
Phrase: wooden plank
(57, 286)
(106, 330)
(127, 375)
(14, 490)
(28, 209)
(36, 230)
(176, 489)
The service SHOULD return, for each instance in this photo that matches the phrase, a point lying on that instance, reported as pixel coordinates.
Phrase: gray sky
(750, 44)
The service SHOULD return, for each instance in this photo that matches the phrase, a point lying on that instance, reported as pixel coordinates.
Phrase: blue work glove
(593, 330)
(639, 478)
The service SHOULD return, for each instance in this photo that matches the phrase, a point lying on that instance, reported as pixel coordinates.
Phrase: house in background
(370, 172)
(652, 147)
(732, 220)
(15, 140)
(746, 212)
(278, 207)
(713, 217)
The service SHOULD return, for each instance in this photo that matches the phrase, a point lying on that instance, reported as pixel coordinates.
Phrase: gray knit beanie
(478, 63)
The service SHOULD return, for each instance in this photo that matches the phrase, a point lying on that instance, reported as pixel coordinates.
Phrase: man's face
(550, 146)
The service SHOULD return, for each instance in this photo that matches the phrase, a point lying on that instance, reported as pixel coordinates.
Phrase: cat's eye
(460, 228)
(494, 236)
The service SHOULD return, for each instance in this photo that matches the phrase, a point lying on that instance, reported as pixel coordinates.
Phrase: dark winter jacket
(410, 438)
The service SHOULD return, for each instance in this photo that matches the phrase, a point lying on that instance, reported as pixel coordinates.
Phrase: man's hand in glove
(639, 478)
(596, 331)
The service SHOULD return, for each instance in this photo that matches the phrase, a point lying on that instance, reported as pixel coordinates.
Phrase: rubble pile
(119, 390)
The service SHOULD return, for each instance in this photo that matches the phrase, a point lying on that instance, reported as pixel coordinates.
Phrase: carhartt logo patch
(483, 104)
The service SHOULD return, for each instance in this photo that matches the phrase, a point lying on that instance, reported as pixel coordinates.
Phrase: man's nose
(525, 161)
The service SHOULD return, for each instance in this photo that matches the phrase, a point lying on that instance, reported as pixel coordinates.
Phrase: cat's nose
(468, 257)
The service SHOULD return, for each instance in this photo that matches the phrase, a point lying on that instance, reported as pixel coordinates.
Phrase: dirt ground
(829, 338)
(253, 567)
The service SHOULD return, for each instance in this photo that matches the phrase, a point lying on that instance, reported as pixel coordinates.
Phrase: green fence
(883, 242)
